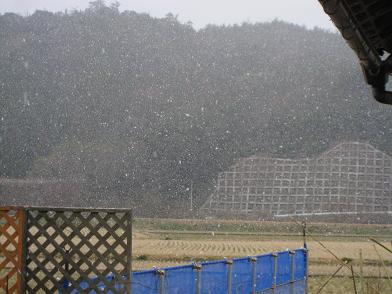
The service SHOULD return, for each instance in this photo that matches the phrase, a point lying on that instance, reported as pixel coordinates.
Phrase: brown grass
(168, 243)
(321, 261)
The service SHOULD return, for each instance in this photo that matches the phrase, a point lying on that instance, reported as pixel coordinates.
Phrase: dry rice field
(154, 250)
(160, 243)
(217, 249)
(176, 241)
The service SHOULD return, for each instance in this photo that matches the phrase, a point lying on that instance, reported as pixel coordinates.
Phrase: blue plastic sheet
(147, 282)
(283, 275)
(181, 279)
(264, 272)
(300, 264)
(242, 275)
(214, 277)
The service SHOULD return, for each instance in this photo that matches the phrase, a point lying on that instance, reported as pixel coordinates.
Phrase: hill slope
(135, 105)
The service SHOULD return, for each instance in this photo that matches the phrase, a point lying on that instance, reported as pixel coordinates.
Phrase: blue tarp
(300, 265)
(179, 279)
(214, 277)
(283, 275)
(145, 282)
(264, 272)
(242, 275)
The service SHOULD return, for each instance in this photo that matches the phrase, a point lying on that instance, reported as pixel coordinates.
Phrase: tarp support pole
(161, 274)
(292, 271)
(292, 266)
(198, 269)
(307, 270)
(229, 264)
(253, 261)
(275, 257)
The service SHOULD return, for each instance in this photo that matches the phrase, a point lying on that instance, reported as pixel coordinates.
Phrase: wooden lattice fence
(11, 253)
(65, 250)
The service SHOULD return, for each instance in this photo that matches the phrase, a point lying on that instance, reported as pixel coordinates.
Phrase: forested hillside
(135, 105)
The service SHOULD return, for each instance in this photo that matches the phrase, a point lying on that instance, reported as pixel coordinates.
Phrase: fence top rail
(143, 272)
(211, 262)
(279, 252)
(264, 255)
(170, 268)
(76, 209)
(247, 258)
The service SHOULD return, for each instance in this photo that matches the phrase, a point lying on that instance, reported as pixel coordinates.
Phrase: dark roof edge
(375, 70)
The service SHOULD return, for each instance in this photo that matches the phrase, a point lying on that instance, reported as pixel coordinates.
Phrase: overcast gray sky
(200, 12)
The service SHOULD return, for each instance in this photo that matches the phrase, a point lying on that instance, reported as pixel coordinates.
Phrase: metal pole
(275, 257)
(229, 276)
(361, 271)
(306, 257)
(161, 274)
(304, 234)
(198, 269)
(253, 261)
(292, 269)
(307, 270)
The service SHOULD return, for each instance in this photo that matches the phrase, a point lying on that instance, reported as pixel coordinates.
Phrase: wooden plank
(12, 220)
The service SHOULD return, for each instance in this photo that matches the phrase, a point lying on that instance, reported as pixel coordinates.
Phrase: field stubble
(173, 242)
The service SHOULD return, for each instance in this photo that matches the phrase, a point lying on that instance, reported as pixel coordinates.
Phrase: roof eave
(375, 70)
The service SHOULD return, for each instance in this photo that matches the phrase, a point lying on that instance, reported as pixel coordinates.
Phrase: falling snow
(146, 112)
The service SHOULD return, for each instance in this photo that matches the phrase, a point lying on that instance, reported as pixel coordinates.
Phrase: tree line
(141, 107)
